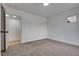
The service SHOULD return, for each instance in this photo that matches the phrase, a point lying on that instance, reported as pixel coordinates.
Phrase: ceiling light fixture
(45, 4)
(7, 15)
(14, 16)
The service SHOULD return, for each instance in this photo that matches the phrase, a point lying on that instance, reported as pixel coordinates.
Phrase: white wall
(33, 26)
(60, 30)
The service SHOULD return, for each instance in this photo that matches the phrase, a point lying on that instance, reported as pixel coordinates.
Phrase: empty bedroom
(39, 29)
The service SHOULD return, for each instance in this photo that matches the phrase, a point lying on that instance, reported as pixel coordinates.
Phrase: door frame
(4, 30)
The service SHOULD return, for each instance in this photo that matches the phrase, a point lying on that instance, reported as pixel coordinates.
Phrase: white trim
(33, 40)
(72, 43)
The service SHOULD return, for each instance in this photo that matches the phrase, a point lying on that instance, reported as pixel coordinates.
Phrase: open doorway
(10, 30)
(14, 27)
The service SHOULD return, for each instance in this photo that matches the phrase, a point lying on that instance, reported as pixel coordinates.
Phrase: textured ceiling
(39, 9)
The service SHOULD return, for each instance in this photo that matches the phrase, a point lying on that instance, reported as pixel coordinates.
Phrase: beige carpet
(44, 47)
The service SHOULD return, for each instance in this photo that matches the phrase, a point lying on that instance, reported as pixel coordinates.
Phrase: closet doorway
(14, 28)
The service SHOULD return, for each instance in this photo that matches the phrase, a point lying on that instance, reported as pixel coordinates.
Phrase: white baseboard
(68, 42)
(72, 43)
(32, 40)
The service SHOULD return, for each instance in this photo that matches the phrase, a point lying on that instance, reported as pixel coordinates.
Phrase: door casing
(3, 30)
